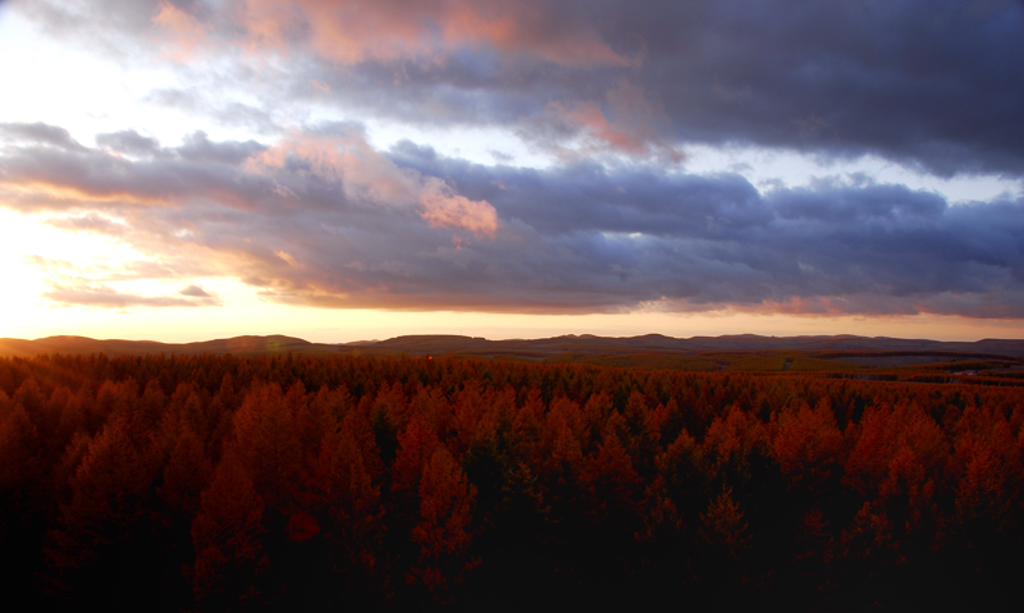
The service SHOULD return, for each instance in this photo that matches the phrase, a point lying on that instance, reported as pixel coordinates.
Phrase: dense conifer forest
(185, 483)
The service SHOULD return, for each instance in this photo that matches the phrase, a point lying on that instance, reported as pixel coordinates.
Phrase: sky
(183, 170)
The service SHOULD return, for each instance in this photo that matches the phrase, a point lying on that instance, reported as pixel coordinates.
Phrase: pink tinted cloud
(348, 159)
(369, 177)
(628, 122)
(354, 31)
(525, 27)
(184, 32)
(444, 209)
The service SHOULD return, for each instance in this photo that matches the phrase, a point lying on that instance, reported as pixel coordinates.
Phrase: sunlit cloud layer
(321, 217)
(531, 156)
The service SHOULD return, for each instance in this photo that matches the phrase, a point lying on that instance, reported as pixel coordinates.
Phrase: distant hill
(656, 343)
(240, 345)
(587, 348)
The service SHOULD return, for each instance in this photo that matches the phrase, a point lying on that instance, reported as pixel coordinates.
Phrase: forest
(202, 482)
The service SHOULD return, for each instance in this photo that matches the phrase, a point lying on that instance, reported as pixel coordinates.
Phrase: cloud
(352, 32)
(930, 86)
(195, 291)
(321, 217)
(444, 209)
(40, 133)
(102, 296)
(35, 169)
(186, 34)
(129, 142)
(90, 222)
(626, 123)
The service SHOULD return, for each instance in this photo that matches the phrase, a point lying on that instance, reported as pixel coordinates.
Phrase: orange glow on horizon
(53, 191)
(245, 310)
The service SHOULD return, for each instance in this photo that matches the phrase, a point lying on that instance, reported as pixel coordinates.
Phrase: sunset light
(488, 305)
(347, 171)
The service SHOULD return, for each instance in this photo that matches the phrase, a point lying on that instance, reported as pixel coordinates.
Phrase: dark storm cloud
(934, 85)
(322, 218)
(722, 244)
(931, 84)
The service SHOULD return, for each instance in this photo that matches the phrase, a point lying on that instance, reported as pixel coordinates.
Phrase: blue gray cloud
(935, 85)
(346, 226)
(615, 93)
